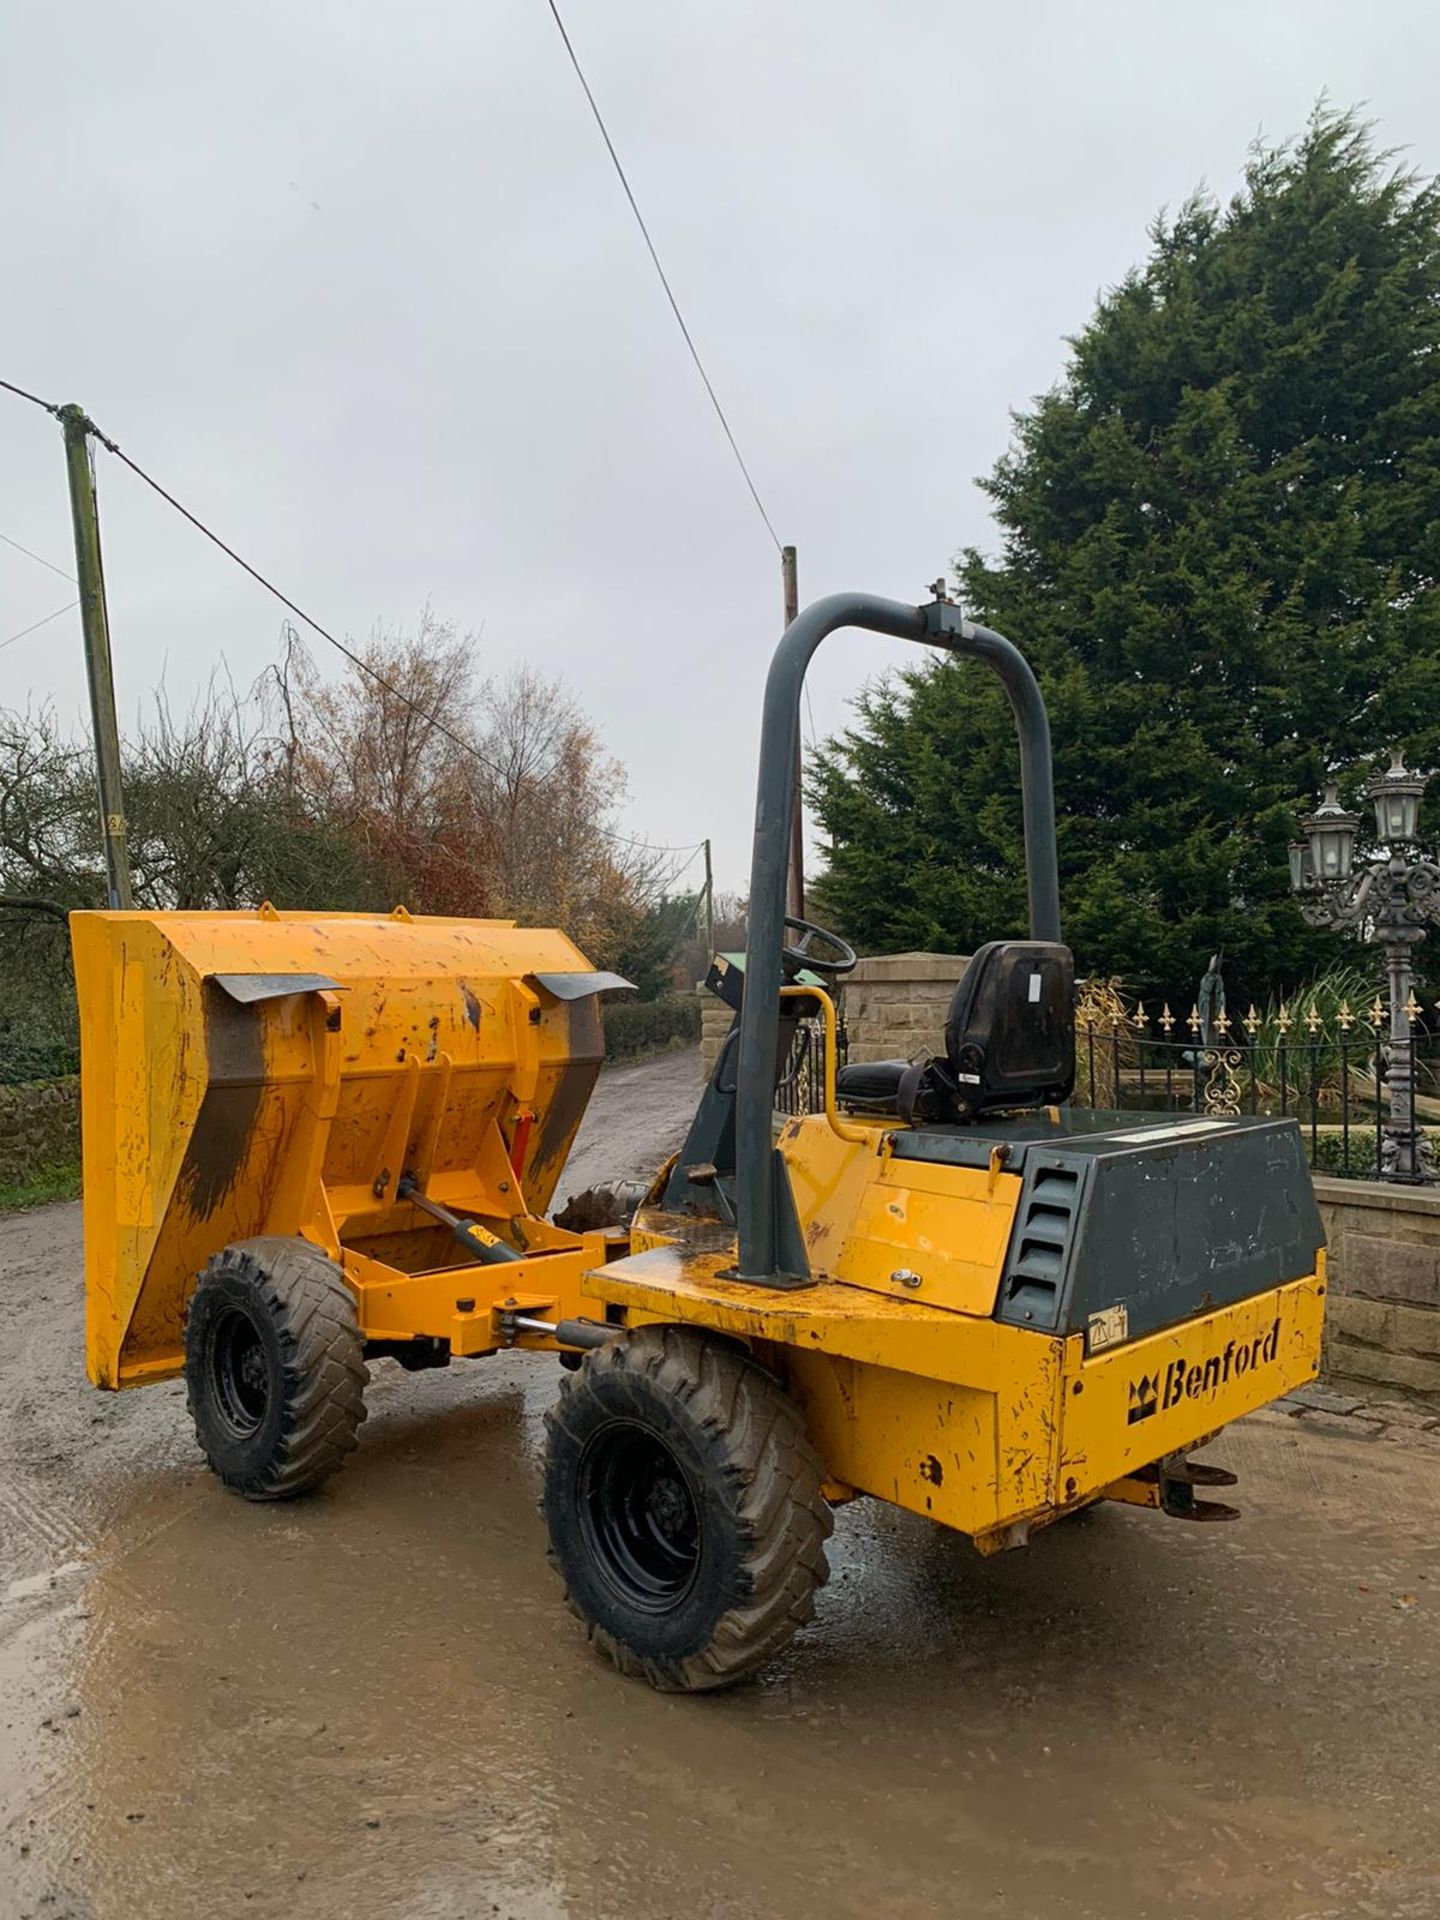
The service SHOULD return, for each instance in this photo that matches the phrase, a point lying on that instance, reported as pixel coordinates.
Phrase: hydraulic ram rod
(570, 1333)
(479, 1244)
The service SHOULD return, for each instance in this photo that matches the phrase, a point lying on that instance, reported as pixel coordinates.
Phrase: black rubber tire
(703, 1411)
(275, 1372)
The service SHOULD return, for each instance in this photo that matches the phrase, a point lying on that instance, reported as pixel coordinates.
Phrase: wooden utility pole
(709, 908)
(795, 872)
(95, 627)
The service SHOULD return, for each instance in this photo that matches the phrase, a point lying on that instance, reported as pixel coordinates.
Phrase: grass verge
(42, 1187)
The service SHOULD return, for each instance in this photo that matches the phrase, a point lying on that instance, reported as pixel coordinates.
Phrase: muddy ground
(371, 1703)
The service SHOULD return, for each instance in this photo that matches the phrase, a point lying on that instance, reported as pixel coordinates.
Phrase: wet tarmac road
(371, 1703)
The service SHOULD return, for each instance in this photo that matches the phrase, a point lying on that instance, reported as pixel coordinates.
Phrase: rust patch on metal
(559, 1120)
(220, 1142)
(472, 1006)
(931, 1470)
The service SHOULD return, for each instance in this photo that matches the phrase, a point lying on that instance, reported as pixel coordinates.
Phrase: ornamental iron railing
(1335, 1070)
(1333, 1067)
(801, 1087)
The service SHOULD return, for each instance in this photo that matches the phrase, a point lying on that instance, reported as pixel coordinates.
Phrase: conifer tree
(1220, 546)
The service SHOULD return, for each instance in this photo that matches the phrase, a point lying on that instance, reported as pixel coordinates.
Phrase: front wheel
(274, 1367)
(684, 1507)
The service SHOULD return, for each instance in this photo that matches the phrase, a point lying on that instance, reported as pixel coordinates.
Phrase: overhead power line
(36, 624)
(33, 398)
(40, 558)
(664, 280)
(357, 660)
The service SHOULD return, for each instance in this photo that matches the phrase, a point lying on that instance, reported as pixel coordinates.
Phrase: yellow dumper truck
(314, 1139)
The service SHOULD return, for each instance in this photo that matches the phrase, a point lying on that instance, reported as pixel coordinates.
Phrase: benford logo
(1199, 1379)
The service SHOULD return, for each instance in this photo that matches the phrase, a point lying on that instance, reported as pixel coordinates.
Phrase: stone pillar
(715, 1018)
(895, 1005)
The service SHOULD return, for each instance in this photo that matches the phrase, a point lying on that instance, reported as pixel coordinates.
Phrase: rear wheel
(274, 1367)
(684, 1507)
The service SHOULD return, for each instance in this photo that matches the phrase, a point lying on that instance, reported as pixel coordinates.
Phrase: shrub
(25, 1061)
(1327, 1153)
(649, 1026)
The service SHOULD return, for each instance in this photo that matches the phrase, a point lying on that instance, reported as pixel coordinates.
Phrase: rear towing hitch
(1178, 1480)
(1170, 1486)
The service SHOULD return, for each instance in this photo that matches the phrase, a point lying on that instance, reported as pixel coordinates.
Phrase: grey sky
(357, 282)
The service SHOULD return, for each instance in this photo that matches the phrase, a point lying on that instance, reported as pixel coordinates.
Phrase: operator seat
(1009, 1042)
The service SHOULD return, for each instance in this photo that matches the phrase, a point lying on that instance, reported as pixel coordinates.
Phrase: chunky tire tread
(312, 1311)
(768, 1478)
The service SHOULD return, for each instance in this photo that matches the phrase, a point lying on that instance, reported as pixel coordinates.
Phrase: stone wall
(39, 1128)
(894, 1006)
(1383, 1324)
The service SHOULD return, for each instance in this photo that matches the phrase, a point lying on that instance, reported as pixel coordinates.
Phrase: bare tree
(408, 779)
(491, 796)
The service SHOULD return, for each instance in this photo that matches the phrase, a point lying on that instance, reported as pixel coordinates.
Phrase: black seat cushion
(871, 1084)
(1009, 1042)
(1010, 1037)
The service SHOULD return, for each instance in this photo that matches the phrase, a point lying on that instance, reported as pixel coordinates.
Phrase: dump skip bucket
(280, 1073)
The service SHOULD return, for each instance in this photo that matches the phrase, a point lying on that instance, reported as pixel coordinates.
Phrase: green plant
(40, 1188)
(23, 1061)
(1327, 1151)
(1318, 1036)
(649, 1026)
(1105, 1042)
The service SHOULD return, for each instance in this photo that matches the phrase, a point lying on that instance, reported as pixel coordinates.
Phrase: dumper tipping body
(279, 1073)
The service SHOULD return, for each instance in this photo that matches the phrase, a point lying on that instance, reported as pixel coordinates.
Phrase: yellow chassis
(431, 1055)
(986, 1427)
(912, 1390)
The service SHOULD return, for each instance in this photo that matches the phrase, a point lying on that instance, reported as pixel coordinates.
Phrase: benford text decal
(1198, 1380)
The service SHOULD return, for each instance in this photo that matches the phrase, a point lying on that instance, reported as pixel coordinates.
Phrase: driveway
(372, 1703)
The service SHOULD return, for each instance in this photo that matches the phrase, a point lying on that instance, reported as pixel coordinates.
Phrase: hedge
(649, 1026)
(1327, 1153)
(22, 1062)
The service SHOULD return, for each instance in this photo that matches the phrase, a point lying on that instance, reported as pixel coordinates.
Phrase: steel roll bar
(941, 625)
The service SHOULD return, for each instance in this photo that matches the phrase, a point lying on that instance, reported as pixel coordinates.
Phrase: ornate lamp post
(1388, 902)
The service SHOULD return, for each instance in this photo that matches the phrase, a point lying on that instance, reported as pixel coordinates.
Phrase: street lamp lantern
(1389, 902)
(1331, 832)
(1397, 802)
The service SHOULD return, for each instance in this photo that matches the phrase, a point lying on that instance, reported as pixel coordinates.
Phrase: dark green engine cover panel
(1165, 1215)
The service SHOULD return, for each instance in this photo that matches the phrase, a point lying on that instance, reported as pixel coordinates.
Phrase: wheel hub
(241, 1373)
(669, 1505)
(640, 1517)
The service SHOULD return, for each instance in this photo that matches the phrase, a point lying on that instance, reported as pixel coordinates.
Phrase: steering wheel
(842, 957)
